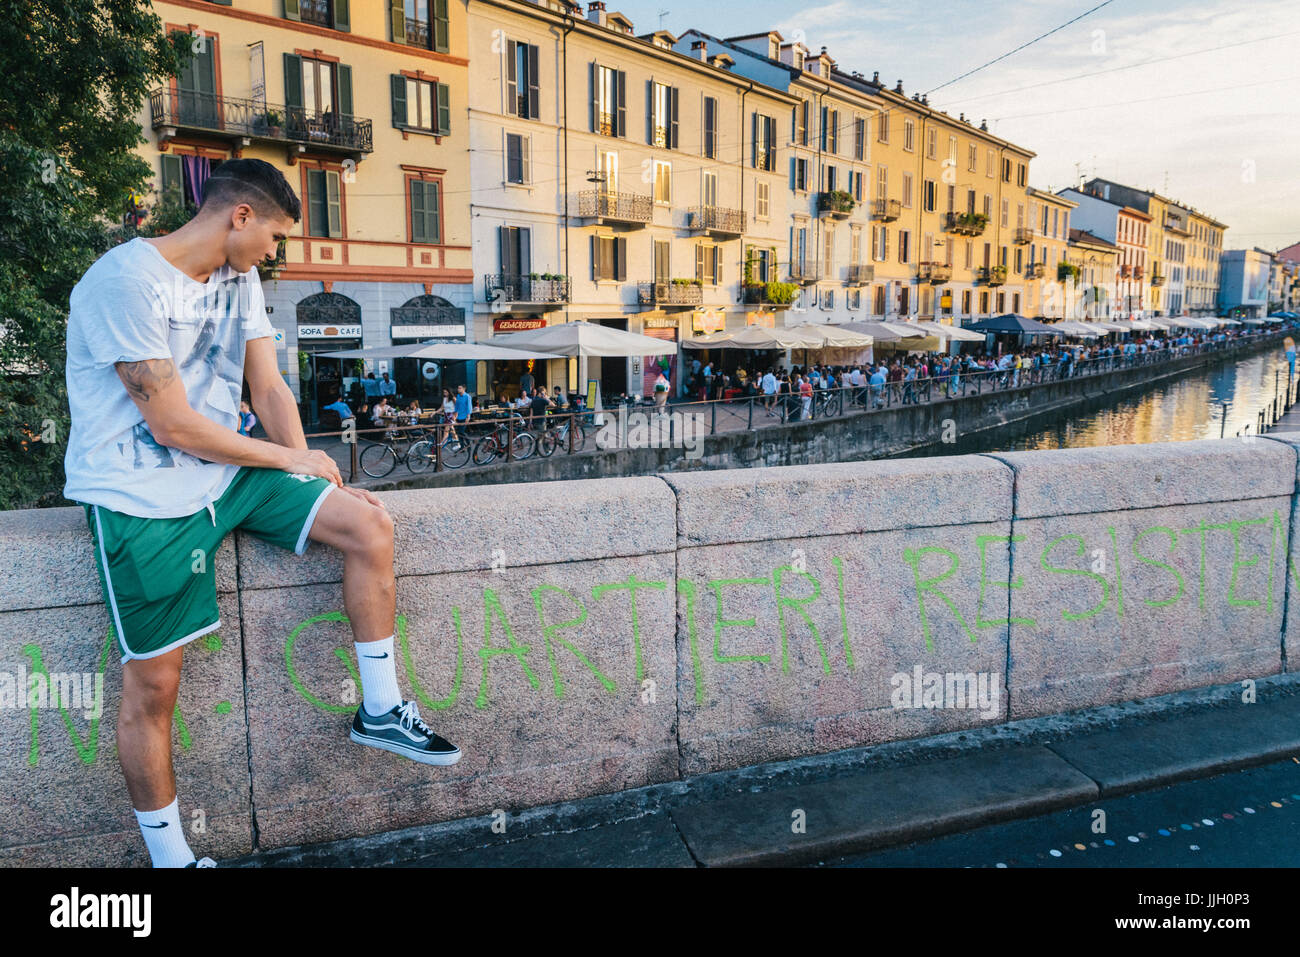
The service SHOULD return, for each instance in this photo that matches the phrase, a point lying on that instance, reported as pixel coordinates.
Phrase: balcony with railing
(1035, 270)
(616, 209)
(1157, 279)
(838, 204)
(992, 275)
(933, 272)
(717, 220)
(1124, 272)
(234, 118)
(530, 292)
(804, 272)
(774, 295)
(860, 274)
(670, 293)
(965, 224)
(887, 210)
(1023, 235)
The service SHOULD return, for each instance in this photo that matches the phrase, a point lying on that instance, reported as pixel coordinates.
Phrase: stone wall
(581, 637)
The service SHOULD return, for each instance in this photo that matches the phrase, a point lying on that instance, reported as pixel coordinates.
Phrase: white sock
(164, 836)
(378, 673)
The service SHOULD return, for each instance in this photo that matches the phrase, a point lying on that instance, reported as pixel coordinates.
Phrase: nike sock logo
(163, 824)
(384, 655)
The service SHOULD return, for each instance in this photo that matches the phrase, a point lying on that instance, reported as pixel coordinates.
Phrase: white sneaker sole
(423, 757)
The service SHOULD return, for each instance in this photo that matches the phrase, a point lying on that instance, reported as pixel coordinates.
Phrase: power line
(1151, 99)
(1022, 46)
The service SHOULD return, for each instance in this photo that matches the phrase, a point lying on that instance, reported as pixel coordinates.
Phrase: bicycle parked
(554, 436)
(409, 447)
(494, 444)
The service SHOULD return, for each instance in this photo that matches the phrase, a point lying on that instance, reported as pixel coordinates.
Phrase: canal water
(1218, 399)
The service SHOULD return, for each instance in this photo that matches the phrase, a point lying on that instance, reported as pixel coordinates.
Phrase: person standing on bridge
(161, 334)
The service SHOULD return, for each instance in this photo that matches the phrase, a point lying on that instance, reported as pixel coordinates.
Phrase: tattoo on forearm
(147, 377)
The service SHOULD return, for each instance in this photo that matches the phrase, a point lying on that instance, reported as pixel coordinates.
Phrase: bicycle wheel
(546, 443)
(524, 445)
(420, 457)
(487, 449)
(455, 452)
(832, 407)
(579, 437)
(378, 460)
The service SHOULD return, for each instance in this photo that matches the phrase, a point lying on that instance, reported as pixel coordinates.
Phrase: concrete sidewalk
(805, 811)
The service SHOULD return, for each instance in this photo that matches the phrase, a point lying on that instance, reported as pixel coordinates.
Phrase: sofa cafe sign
(329, 332)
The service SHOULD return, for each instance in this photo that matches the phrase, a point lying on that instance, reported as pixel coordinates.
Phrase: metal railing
(719, 219)
(991, 275)
(236, 116)
(861, 273)
(886, 210)
(1023, 235)
(964, 224)
(625, 207)
(743, 412)
(510, 287)
(669, 293)
(804, 272)
(933, 272)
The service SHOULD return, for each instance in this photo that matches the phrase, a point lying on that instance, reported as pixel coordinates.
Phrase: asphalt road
(1246, 818)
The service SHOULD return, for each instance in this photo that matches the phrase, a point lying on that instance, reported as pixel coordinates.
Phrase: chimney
(899, 88)
(596, 12)
(984, 125)
(961, 117)
(700, 49)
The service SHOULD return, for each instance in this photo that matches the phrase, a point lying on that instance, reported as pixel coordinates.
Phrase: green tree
(73, 77)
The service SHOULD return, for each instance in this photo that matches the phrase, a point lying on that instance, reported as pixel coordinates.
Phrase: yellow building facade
(362, 107)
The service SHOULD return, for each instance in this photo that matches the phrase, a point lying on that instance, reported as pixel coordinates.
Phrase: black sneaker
(402, 732)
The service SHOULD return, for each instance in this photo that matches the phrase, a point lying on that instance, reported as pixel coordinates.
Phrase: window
(856, 180)
(882, 183)
(419, 23)
(972, 157)
(909, 135)
(860, 138)
(988, 166)
(709, 136)
(1044, 228)
(904, 246)
(1020, 260)
(661, 115)
(799, 250)
(970, 253)
(799, 174)
(325, 13)
(426, 224)
(762, 264)
(1020, 215)
(965, 302)
(518, 158)
(830, 130)
(762, 133)
(931, 143)
(855, 245)
(928, 195)
(952, 198)
(708, 263)
(828, 298)
(1065, 224)
(662, 250)
(907, 190)
(828, 251)
(608, 101)
(988, 206)
(521, 80)
(952, 150)
(878, 303)
(1055, 221)
(1021, 173)
(1006, 170)
(762, 201)
(800, 122)
(324, 204)
(421, 105)
(515, 246)
(608, 258)
(663, 190)
(853, 298)
(882, 129)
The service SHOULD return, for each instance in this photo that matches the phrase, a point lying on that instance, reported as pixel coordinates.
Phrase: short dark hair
(252, 181)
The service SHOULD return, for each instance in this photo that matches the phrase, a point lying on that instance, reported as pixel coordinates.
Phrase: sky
(1196, 102)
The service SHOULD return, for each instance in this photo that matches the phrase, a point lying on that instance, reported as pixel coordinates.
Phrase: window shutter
(672, 126)
(441, 27)
(650, 111)
(525, 157)
(342, 18)
(431, 210)
(595, 257)
(397, 84)
(292, 82)
(620, 80)
(699, 261)
(512, 77)
(345, 89)
(620, 259)
(514, 170)
(533, 98)
(444, 108)
(417, 211)
(753, 145)
(717, 265)
(771, 141)
(397, 20)
(593, 78)
(172, 177)
(509, 262)
(792, 162)
(291, 10)
(525, 236)
(335, 213)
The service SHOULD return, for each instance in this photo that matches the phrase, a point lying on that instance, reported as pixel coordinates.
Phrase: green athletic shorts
(158, 574)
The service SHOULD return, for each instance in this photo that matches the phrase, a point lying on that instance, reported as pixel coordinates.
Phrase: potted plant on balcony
(838, 203)
(273, 123)
(781, 293)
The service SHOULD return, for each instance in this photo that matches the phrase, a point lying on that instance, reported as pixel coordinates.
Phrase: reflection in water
(1191, 407)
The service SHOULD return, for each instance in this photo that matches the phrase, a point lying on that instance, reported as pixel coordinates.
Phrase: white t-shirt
(769, 384)
(132, 304)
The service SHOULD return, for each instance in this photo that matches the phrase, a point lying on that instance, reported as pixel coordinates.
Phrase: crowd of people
(907, 377)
